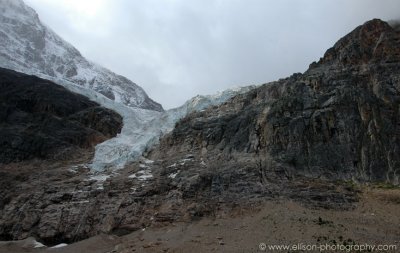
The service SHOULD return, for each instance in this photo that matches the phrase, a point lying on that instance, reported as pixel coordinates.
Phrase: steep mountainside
(338, 120)
(305, 138)
(31, 47)
(40, 119)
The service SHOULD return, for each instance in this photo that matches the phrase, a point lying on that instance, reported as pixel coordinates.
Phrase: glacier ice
(143, 129)
(31, 47)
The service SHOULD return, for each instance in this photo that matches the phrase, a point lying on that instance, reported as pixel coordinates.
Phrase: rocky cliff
(40, 119)
(338, 120)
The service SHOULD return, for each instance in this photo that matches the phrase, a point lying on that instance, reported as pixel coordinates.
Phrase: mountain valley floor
(373, 219)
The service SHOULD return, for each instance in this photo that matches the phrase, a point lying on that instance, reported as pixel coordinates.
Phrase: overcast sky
(176, 49)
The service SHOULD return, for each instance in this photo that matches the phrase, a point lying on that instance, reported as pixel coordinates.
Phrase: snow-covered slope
(28, 46)
(143, 133)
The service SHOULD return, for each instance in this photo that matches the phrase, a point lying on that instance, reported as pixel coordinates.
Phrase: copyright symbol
(262, 246)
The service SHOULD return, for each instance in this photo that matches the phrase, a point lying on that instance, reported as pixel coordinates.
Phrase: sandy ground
(375, 220)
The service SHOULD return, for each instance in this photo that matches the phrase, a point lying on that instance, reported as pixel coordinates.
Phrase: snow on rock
(31, 47)
(37, 244)
(59, 246)
(173, 175)
(99, 178)
(147, 161)
(73, 169)
(142, 175)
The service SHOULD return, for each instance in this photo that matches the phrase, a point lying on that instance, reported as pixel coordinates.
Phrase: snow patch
(59, 246)
(99, 177)
(37, 244)
(73, 169)
(173, 175)
(142, 175)
(186, 160)
(147, 161)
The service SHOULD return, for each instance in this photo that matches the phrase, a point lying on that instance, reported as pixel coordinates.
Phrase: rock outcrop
(40, 119)
(338, 120)
(64, 203)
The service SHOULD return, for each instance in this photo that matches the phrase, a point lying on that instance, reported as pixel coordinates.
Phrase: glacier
(143, 129)
(31, 47)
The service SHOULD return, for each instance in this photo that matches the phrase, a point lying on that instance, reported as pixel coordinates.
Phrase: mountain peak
(374, 41)
(31, 47)
(12, 9)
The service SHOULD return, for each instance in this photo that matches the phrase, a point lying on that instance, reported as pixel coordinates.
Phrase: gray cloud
(176, 49)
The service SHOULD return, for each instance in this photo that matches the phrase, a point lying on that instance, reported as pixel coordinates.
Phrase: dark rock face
(375, 42)
(338, 120)
(39, 119)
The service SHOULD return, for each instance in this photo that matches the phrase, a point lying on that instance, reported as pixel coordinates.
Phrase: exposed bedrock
(40, 119)
(338, 120)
